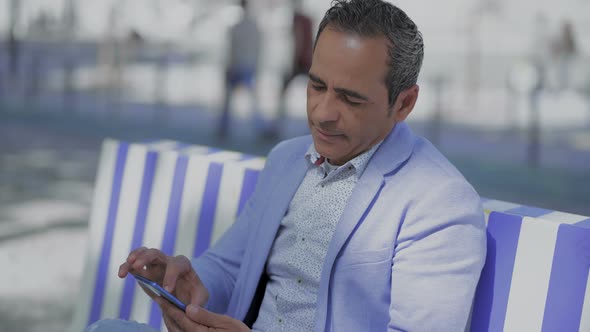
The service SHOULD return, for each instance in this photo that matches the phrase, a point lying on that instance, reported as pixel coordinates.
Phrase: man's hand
(197, 319)
(175, 274)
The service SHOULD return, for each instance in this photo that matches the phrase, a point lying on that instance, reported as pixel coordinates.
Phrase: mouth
(326, 135)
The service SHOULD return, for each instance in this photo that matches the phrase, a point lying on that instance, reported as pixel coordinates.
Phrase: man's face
(347, 100)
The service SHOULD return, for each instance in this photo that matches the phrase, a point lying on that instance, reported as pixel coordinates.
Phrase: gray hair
(372, 18)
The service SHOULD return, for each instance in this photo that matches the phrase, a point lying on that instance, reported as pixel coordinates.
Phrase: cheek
(355, 125)
(312, 101)
(363, 128)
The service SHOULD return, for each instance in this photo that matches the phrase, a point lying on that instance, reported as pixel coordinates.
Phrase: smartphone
(159, 291)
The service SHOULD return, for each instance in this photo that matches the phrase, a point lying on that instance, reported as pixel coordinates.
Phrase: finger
(134, 254)
(170, 324)
(148, 257)
(176, 266)
(178, 318)
(172, 314)
(199, 296)
(204, 317)
(126, 266)
(123, 270)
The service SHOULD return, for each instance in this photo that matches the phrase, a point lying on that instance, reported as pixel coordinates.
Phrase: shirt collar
(359, 162)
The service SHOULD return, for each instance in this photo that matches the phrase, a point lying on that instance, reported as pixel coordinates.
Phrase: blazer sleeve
(438, 258)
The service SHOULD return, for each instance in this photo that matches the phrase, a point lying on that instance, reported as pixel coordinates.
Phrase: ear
(405, 102)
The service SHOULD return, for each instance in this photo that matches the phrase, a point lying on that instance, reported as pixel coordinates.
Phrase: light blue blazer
(406, 254)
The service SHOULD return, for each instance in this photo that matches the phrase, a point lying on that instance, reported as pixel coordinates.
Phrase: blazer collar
(396, 148)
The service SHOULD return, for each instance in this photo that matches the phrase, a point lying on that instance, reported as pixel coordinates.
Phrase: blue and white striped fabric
(181, 198)
(490, 205)
(165, 195)
(535, 277)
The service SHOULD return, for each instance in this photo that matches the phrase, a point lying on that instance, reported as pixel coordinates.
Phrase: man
(244, 48)
(302, 31)
(361, 226)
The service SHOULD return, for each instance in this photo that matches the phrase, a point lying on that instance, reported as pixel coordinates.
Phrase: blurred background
(505, 94)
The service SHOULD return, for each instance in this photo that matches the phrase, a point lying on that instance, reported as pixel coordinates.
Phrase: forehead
(350, 57)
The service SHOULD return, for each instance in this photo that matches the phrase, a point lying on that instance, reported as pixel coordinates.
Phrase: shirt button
(302, 239)
(280, 320)
(350, 167)
(299, 281)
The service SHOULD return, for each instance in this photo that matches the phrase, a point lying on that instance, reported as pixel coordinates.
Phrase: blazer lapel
(393, 152)
(279, 201)
(293, 172)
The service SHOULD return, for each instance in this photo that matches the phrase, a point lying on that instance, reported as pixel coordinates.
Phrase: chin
(324, 150)
(320, 147)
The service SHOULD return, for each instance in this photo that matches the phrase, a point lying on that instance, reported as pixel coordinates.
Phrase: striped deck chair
(181, 198)
(490, 205)
(535, 277)
(176, 197)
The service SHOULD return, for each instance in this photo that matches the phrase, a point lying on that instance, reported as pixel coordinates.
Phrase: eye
(318, 87)
(350, 102)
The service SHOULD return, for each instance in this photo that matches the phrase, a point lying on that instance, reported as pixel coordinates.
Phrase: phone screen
(160, 291)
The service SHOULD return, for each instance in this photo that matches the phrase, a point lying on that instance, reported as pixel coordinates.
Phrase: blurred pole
(510, 105)
(3, 45)
(13, 42)
(436, 119)
(586, 92)
(528, 79)
(473, 66)
(481, 10)
(161, 67)
(35, 78)
(69, 53)
(534, 130)
(109, 65)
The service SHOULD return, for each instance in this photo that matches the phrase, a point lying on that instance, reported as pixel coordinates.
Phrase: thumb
(203, 316)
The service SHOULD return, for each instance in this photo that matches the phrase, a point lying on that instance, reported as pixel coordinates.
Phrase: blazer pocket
(360, 258)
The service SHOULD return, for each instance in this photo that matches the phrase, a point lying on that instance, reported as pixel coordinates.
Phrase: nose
(327, 110)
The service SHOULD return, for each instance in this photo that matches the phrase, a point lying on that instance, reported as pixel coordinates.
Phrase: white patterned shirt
(295, 263)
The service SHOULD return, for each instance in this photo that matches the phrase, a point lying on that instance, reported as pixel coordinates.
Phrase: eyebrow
(343, 91)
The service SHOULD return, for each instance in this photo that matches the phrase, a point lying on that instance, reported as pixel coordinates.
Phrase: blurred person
(302, 53)
(360, 226)
(565, 50)
(242, 67)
